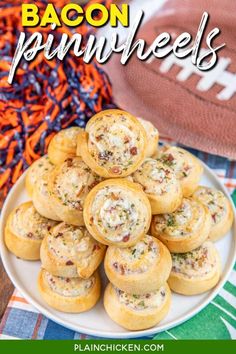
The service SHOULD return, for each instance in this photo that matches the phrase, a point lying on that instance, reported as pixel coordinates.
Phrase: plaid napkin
(216, 321)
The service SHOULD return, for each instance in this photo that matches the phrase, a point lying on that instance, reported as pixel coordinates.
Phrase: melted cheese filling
(72, 244)
(184, 222)
(181, 162)
(69, 287)
(198, 263)
(28, 223)
(136, 259)
(152, 300)
(114, 143)
(156, 178)
(74, 182)
(214, 200)
(39, 169)
(119, 214)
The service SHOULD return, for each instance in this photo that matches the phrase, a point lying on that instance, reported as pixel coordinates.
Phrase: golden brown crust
(187, 167)
(160, 184)
(69, 184)
(117, 212)
(24, 239)
(152, 137)
(219, 208)
(70, 251)
(71, 304)
(130, 318)
(63, 145)
(42, 199)
(185, 229)
(127, 150)
(195, 281)
(36, 171)
(139, 269)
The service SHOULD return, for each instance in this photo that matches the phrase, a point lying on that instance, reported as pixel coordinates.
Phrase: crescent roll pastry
(195, 272)
(114, 143)
(63, 145)
(73, 295)
(36, 171)
(139, 269)
(25, 230)
(42, 199)
(219, 208)
(137, 312)
(117, 212)
(70, 251)
(152, 137)
(69, 184)
(186, 166)
(185, 229)
(160, 184)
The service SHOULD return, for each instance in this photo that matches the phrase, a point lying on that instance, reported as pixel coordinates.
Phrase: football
(196, 108)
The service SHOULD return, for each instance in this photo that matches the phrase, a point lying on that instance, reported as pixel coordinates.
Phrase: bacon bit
(30, 234)
(186, 168)
(167, 172)
(126, 238)
(99, 137)
(126, 139)
(116, 170)
(68, 263)
(133, 151)
(148, 296)
(67, 280)
(69, 162)
(114, 197)
(214, 217)
(96, 247)
(91, 220)
(59, 234)
(122, 269)
(48, 227)
(170, 158)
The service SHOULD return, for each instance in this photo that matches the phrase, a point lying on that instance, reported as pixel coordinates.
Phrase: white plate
(96, 322)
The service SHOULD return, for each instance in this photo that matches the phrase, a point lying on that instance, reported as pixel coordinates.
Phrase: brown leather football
(196, 108)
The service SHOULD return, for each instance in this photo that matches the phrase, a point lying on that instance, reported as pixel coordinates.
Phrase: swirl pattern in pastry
(138, 269)
(36, 171)
(136, 312)
(160, 184)
(68, 187)
(25, 230)
(117, 212)
(70, 251)
(185, 229)
(196, 271)
(114, 144)
(63, 145)
(219, 208)
(186, 166)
